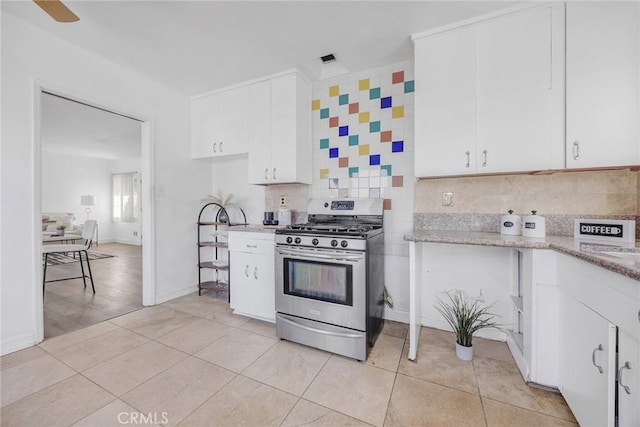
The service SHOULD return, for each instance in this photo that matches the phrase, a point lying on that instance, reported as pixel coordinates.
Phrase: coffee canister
(533, 225)
(511, 224)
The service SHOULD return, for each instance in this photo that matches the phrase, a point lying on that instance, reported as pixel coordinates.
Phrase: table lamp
(88, 200)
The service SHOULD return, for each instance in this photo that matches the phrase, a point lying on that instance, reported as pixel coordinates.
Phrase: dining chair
(88, 232)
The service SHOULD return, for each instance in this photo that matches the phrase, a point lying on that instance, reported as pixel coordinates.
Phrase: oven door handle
(313, 256)
(319, 331)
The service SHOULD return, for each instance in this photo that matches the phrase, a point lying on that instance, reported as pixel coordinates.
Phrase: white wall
(65, 178)
(31, 56)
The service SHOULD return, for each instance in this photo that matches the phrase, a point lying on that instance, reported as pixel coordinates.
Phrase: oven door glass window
(319, 281)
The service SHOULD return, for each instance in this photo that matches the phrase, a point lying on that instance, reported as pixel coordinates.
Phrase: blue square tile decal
(333, 152)
(374, 93)
(385, 168)
(374, 159)
(353, 171)
(397, 146)
(385, 102)
(343, 99)
(374, 127)
(354, 140)
(343, 130)
(409, 86)
(324, 143)
(324, 113)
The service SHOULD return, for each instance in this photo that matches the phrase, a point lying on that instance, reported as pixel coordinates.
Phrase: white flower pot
(464, 353)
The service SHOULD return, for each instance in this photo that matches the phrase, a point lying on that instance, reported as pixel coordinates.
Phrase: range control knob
(289, 239)
(334, 243)
(315, 242)
(298, 240)
(344, 243)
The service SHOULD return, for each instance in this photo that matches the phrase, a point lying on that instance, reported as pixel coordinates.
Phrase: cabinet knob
(255, 273)
(576, 150)
(626, 388)
(221, 146)
(274, 173)
(468, 159)
(246, 271)
(215, 147)
(593, 358)
(266, 174)
(484, 163)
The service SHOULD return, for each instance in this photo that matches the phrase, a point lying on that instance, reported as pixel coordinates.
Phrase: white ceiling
(199, 46)
(72, 128)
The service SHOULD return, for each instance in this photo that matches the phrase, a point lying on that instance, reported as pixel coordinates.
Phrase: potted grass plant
(60, 230)
(466, 316)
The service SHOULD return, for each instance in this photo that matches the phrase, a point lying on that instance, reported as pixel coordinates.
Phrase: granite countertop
(256, 228)
(588, 251)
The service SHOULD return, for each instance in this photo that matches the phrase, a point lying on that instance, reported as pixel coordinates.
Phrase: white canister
(511, 224)
(284, 216)
(533, 225)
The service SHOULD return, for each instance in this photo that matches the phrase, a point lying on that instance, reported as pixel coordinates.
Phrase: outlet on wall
(283, 200)
(447, 199)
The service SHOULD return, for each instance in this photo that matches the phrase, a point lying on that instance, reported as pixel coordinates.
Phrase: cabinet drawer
(254, 243)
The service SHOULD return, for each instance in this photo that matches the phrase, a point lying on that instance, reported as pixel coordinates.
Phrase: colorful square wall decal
(334, 122)
(386, 204)
(324, 173)
(354, 108)
(374, 93)
(363, 150)
(363, 84)
(397, 77)
(409, 86)
(343, 162)
(385, 102)
(324, 113)
(385, 136)
(374, 127)
(397, 181)
(397, 146)
(354, 140)
(334, 91)
(333, 152)
(343, 130)
(374, 159)
(353, 172)
(363, 117)
(385, 170)
(343, 99)
(397, 112)
(315, 105)
(324, 143)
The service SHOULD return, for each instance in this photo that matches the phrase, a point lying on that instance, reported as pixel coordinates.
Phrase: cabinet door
(283, 129)
(252, 285)
(239, 280)
(259, 113)
(628, 381)
(587, 363)
(204, 125)
(515, 92)
(603, 44)
(445, 99)
(231, 130)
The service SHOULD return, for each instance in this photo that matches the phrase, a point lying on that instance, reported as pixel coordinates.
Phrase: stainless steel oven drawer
(343, 341)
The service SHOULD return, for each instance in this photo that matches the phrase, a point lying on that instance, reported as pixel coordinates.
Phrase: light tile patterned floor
(192, 362)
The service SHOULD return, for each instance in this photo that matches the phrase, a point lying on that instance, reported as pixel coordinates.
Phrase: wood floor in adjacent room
(68, 305)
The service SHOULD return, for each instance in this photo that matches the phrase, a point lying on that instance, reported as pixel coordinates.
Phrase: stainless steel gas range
(330, 277)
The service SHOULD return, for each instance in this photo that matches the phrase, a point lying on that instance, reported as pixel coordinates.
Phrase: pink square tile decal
(397, 181)
(397, 77)
(385, 136)
(333, 122)
(354, 108)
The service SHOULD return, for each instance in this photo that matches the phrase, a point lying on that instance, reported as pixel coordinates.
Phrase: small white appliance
(284, 216)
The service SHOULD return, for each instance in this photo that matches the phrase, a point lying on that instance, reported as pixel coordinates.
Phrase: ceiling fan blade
(57, 10)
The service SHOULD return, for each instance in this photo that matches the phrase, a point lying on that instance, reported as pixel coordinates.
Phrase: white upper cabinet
(280, 141)
(603, 45)
(488, 95)
(218, 124)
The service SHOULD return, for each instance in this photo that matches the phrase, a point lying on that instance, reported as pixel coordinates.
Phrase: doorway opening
(94, 164)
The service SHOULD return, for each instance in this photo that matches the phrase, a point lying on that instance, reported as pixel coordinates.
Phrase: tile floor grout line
(484, 412)
(528, 410)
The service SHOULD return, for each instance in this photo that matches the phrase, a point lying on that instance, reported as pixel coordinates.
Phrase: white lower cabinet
(252, 274)
(587, 363)
(628, 380)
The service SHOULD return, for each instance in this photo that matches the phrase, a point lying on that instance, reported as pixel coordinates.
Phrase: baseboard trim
(395, 315)
(132, 242)
(176, 293)
(16, 343)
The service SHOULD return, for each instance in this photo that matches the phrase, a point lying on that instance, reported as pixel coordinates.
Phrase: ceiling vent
(328, 58)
